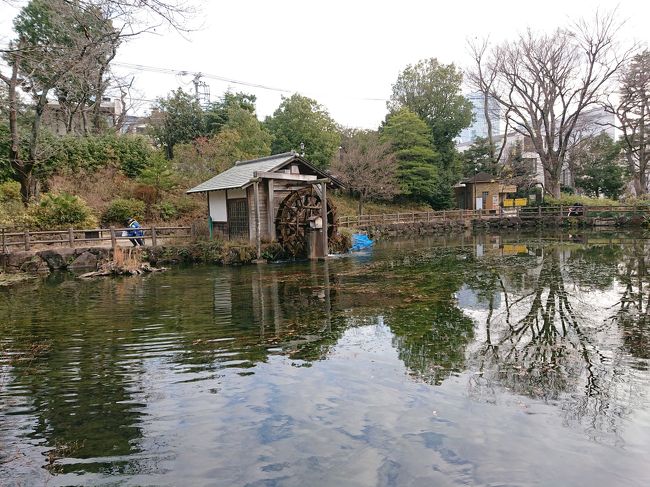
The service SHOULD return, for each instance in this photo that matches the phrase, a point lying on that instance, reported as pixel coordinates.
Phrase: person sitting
(134, 232)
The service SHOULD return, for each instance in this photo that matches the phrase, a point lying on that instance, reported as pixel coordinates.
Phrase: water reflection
(110, 377)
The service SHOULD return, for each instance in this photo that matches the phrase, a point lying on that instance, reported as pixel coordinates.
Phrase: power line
(155, 69)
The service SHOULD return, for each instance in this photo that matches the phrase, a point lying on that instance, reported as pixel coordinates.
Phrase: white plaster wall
(217, 202)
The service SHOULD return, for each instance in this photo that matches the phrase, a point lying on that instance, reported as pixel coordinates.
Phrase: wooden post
(258, 237)
(561, 212)
(193, 231)
(154, 237)
(398, 217)
(207, 194)
(444, 216)
(270, 207)
(323, 215)
(71, 236)
(4, 243)
(539, 212)
(113, 239)
(26, 240)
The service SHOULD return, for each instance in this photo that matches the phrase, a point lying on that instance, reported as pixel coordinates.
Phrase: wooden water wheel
(293, 217)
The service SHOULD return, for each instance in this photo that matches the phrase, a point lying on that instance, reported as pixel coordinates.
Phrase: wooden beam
(270, 210)
(285, 176)
(323, 214)
(258, 239)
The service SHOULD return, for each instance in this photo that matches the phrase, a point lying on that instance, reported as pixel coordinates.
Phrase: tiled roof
(481, 177)
(242, 172)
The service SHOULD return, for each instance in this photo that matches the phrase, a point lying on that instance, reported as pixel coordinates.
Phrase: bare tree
(65, 46)
(546, 81)
(482, 77)
(367, 167)
(632, 114)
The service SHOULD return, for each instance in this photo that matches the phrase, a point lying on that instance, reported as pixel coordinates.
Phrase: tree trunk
(551, 184)
(488, 121)
(552, 170)
(22, 170)
(360, 203)
(643, 183)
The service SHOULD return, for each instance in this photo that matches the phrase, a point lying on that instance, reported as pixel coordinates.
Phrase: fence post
(398, 217)
(4, 244)
(561, 212)
(113, 239)
(444, 216)
(71, 236)
(539, 211)
(154, 237)
(26, 240)
(193, 231)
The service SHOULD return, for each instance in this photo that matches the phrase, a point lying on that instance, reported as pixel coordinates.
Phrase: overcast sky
(345, 54)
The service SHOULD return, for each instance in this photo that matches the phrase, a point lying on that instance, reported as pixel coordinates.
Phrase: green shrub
(273, 251)
(10, 192)
(13, 213)
(166, 211)
(62, 210)
(126, 152)
(121, 209)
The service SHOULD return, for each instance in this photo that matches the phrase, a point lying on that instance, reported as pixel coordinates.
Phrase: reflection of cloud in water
(355, 420)
(469, 298)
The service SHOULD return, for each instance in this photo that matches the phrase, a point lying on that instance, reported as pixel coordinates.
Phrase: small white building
(268, 198)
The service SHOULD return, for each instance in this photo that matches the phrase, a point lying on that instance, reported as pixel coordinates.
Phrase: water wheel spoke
(294, 216)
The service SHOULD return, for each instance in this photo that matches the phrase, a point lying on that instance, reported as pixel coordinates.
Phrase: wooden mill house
(280, 197)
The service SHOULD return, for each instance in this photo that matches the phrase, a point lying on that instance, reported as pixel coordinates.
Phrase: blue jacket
(135, 233)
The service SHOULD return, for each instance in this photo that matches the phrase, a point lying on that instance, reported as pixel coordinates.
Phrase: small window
(238, 219)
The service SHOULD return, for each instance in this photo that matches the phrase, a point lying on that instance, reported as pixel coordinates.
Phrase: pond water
(496, 360)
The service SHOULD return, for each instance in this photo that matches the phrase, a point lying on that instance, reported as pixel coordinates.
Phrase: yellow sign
(515, 202)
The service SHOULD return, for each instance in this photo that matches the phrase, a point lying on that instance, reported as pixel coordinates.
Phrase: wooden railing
(72, 237)
(525, 213)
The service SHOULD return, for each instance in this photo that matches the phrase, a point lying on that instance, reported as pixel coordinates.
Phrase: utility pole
(201, 90)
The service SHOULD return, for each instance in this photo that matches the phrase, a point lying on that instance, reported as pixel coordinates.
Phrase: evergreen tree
(300, 121)
(419, 177)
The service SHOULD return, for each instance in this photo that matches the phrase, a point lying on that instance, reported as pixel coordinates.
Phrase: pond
(508, 359)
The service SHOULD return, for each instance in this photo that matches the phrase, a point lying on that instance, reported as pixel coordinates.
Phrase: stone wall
(392, 230)
(59, 259)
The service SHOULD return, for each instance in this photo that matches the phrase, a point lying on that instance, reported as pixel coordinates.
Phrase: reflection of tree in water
(632, 312)
(546, 343)
(75, 378)
(431, 340)
(430, 331)
(87, 365)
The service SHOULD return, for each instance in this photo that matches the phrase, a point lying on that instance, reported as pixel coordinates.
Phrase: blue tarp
(360, 241)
